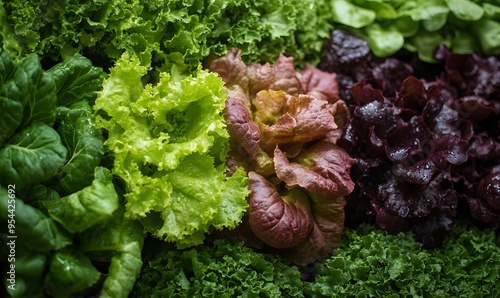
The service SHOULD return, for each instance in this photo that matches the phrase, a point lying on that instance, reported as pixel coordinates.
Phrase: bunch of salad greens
(169, 144)
(421, 26)
(102, 167)
(179, 32)
(369, 263)
(372, 263)
(61, 203)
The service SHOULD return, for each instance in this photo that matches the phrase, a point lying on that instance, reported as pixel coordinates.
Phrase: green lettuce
(32, 156)
(77, 80)
(50, 160)
(31, 151)
(372, 263)
(169, 144)
(225, 268)
(179, 32)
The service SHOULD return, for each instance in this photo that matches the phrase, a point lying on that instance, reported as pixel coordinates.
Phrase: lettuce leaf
(284, 125)
(178, 32)
(77, 79)
(169, 144)
(372, 263)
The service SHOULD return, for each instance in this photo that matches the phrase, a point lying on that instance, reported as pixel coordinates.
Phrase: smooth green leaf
(30, 223)
(426, 44)
(26, 94)
(70, 274)
(119, 241)
(492, 11)
(436, 23)
(427, 10)
(34, 88)
(87, 207)
(77, 79)
(31, 156)
(345, 12)
(384, 41)
(464, 43)
(488, 33)
(383, 10)
(465, 9)
(85, 145)
(406, 26)
(29, 272)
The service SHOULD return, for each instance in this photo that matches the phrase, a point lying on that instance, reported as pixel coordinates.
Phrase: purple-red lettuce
(425, 144)
(283, 126)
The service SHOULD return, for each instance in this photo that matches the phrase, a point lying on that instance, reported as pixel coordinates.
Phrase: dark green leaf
(85, 144)
(31, 156)
(119, 240)
(77, 79)
(34, 88)
(43, 233)
(70, 274)
(87, 207)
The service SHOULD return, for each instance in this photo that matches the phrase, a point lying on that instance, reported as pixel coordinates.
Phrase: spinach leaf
(27, 94)
(77, 79)
(31, 156)
(30, 271)
(85, 144)
(118, 241)
(70, 274)
(34, 89)
(43, 233)
(87, 207)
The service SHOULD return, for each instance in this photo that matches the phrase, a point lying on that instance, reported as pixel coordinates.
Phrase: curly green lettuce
(169, 142)
(372, 263)
(179, 32)
(225, 268)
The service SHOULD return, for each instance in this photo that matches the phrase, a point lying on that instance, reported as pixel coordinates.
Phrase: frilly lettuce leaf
(284, 137)
(169, 143)
(225, 268)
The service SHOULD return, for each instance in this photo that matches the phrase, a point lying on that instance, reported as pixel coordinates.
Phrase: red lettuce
(284, 125)
(426, 144)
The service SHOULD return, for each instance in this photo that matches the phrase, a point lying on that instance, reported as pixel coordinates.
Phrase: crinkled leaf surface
(170, 143)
